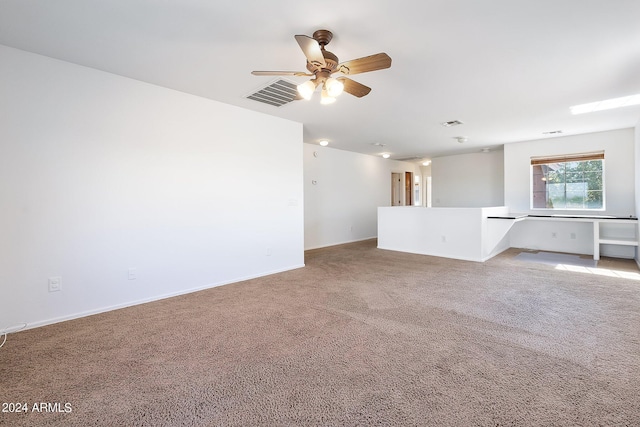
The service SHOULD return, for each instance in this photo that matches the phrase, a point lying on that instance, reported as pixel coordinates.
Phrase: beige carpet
(360, 336)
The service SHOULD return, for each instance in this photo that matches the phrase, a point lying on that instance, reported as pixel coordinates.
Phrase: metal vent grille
(451, 123)
(277, 93)
(410, 159)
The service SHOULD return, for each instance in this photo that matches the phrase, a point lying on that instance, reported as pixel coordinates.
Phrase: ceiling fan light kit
(306, 89)
(325, 98)
(334, 87)
(321, 64)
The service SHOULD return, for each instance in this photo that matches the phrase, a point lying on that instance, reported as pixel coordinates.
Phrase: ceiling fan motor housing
(330, 60)
(323, 37)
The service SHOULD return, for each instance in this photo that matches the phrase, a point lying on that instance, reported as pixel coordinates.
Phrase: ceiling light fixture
(334, 87)
(331, 88)
(322, 64)
(324, 142)
(326, 99)
(386, 155)
(306, 89)
(607, 104)
(462, 139)
(426, 163)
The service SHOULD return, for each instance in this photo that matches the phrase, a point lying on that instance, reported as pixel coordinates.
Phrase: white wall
(468, 180)
(571, 237)
(349, 187)
(99, 174)
(426, 189)
(637, 176)
(460, 233)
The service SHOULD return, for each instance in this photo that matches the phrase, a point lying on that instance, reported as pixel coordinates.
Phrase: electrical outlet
(55, 284)
(132, 274)
(443, 239)
(554, 234)
(268, 252)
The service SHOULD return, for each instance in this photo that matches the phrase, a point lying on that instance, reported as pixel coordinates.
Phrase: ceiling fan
(322, 64)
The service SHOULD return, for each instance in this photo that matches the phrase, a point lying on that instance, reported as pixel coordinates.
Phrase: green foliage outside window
(568, 185)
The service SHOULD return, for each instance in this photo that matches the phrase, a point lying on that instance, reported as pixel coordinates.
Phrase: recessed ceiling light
(607, 104)
(426, 163)
(386, 155)
(324, 142)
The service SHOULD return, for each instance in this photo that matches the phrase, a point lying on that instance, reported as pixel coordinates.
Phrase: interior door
(396, 189)
(408, 188)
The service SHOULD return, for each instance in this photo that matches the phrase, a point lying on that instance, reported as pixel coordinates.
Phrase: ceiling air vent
(451, 123)
(277, 93)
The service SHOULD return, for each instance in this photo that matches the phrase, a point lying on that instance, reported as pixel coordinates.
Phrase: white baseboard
(339, 243)
(461, 258)
(73, 316)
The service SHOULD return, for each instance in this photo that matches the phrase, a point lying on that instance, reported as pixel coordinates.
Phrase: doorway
(402, 191)
(408, 188)
(396, 189)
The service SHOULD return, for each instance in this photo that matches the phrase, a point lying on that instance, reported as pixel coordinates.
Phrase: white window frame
(535, 161)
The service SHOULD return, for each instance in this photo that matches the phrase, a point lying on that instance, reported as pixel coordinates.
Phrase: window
(573, 181)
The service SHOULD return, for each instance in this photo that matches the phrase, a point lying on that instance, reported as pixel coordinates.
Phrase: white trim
(461, 257)
(152, 299)
(340, 243)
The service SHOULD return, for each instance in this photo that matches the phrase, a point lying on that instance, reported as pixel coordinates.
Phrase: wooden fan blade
(375, 62)
(280, 73)
(311, 49)
(354, 88)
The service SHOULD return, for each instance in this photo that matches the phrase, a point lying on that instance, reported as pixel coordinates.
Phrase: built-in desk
(598, 238)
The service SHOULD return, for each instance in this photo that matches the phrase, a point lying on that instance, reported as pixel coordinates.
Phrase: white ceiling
(508, 69)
